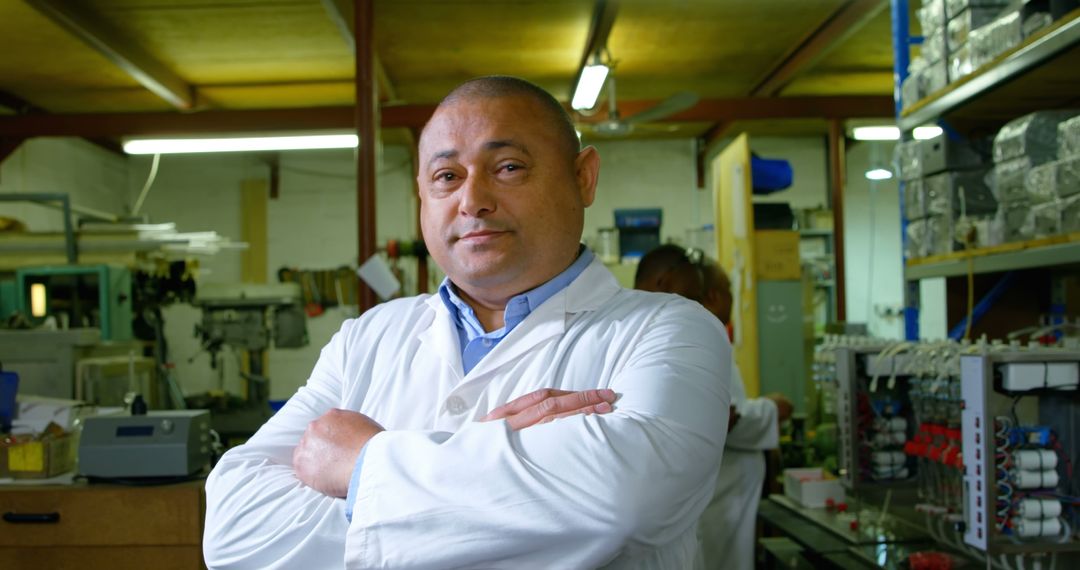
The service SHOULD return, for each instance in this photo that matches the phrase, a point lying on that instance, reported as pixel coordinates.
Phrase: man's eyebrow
(451, 153)
(497, 144)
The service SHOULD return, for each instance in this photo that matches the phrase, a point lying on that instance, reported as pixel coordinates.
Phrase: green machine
(95, 296)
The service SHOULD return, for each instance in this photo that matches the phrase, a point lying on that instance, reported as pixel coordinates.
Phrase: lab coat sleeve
(258, 514)
(758, 427)
(573, 493)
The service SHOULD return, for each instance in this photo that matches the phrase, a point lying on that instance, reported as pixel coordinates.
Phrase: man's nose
(477, 196)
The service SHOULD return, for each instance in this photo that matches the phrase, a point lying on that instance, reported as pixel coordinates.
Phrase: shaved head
(499, 86)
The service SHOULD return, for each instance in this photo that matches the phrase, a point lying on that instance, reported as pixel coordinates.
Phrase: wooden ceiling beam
(602, 21)
(845, 21)
(342, 14)
(408, 116)
(129, 57)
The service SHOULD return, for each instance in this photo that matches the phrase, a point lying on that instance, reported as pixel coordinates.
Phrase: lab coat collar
(595, 286)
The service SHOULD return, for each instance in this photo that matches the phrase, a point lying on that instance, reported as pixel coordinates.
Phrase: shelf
(1041, 73)
(816, 233)
(1048, 252)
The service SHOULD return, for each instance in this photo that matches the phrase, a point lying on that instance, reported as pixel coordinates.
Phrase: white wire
(146, 186)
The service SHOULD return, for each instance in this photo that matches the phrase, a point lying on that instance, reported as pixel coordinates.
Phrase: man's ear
(587, 172)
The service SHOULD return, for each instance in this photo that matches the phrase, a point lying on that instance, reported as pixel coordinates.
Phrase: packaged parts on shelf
(1036, 23)
(933, 47)
(1067, 177)
(911, 90)
(955, 7)
(914, 202)
(1069, 138)
(1043, 220)
(908, 158)
(1033, 136)
(960, 63)
(942, 153)
(995, 38)
(1012, 221)
(980, 229)
(1008, 180)
(1070, 214)
(936, 77)
(932, 16)
(1041, 183)
(929, 236)
(959, 194)
(961, 26)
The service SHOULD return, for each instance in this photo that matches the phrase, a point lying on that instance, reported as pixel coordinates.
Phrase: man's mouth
(481, 236)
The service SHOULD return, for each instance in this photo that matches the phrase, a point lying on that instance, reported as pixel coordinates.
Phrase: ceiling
(223, 55)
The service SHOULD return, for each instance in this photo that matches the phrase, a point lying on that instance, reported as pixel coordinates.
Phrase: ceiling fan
(615, 125)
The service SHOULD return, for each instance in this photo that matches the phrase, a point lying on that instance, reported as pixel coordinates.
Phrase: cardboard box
(776, 255)
(810, 487)
(26, 458)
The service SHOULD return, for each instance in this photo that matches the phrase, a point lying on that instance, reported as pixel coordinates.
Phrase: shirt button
(455, 405)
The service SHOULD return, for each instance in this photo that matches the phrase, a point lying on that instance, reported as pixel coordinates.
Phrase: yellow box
(776, 255)
(38, 459)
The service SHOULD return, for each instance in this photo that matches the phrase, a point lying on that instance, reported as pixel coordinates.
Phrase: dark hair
(668, 258)
(507, 86)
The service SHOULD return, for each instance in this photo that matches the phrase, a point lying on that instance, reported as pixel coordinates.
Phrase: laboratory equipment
(167, 443)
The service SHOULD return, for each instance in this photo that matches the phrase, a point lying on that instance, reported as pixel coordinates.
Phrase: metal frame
(70, 245)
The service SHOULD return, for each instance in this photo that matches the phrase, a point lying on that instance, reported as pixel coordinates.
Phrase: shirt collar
(519, 306)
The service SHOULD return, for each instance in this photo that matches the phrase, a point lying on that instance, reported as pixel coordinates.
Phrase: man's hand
(548, 404)
(327, 452)
(784, 407)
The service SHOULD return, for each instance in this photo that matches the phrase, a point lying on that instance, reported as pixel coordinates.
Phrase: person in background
(727, 527)
(531, 414)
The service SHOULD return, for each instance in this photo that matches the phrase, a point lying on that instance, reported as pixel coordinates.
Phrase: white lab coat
(440, 490)
(727, 527)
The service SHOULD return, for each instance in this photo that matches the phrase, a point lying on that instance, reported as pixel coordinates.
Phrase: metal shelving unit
(1041, 73)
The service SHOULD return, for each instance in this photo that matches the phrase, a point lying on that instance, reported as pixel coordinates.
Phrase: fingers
(560, 406)
(601, 408)
(519, 405)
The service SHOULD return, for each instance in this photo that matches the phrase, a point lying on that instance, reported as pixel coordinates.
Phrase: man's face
(502, 200)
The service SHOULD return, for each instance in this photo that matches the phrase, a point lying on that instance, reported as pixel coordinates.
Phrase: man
(728, 525)
(479, 427)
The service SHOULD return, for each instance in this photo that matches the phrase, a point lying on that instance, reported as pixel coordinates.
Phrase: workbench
(111, 527)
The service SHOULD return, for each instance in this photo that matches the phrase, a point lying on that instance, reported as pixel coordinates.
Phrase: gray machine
(171, 443)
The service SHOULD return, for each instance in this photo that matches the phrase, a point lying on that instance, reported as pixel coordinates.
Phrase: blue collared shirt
(475, 342)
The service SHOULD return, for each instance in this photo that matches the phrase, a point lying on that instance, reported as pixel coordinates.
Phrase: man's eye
(512, 167)
(445, 177)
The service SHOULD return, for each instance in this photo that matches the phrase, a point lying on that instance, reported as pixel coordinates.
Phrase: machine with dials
(165, 443)
(249, 318)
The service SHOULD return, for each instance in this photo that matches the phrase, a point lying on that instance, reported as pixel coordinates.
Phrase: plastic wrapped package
(1042, 220)
(960, 63)
(1034, 136)
(911, 90)
(961, 26)
(939, 235)
(914, 204)
(1067, 177)
(932, 16)
(1069, 138)
(943, 153)
(908, 158)
(1037, 22)
(995, 38)
(1012, 221)
(1041, 183)
(933, 47)
(955, 7)
(959, 194)
(1008, 180)
(1070, 214)
(915, 242)
(936, 77)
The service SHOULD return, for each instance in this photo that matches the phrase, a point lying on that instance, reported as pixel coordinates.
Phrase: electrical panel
(1020, 431)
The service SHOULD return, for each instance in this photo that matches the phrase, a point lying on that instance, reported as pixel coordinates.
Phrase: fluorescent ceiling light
(875, 133)
(887, 133)
(246, 144)
(878, 174)
(589, 86)
(927, 132)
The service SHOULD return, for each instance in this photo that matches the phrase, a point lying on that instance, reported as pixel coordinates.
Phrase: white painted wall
(92, 176)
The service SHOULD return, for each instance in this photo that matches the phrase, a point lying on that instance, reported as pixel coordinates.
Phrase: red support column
(366, 120)
(836, 182)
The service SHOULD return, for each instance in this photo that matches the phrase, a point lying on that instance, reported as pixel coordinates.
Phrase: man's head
(503, 186)
(717, 298)
(668, 269)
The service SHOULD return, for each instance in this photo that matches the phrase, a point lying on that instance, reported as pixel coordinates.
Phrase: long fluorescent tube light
(589, 86)
(878, 174)
(886, 133)
(245, 144)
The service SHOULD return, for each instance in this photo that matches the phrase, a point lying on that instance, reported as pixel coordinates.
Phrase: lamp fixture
(239, 144)
(878, 174)
(589, 85)
(889, 133)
